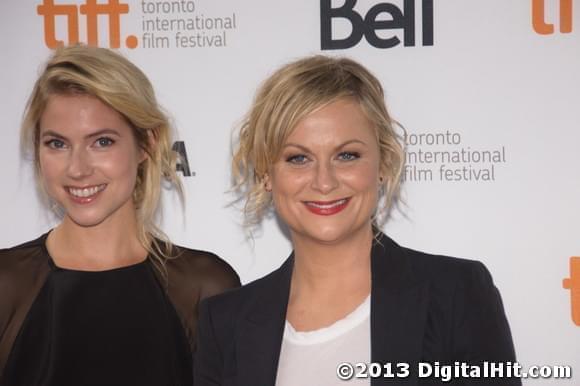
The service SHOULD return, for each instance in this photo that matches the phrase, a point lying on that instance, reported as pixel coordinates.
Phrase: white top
(311, 357)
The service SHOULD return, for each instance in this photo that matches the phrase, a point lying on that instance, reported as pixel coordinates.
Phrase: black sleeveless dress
(114, 327)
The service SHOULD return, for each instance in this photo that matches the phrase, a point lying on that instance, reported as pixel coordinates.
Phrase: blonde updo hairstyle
(118, 83)
(290, 94)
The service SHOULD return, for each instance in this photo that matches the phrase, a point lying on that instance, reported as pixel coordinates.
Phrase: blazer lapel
(260, 334)
(398, 311)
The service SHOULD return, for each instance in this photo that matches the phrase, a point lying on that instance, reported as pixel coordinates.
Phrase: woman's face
(325, 184)
(88, 158)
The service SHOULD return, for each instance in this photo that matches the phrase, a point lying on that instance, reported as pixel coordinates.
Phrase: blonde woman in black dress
(103, 298)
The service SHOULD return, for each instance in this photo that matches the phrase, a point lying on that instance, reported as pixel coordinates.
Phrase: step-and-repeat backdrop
(494, 84)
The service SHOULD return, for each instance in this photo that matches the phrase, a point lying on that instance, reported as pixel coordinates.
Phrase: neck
(340, 267)
(110, 244)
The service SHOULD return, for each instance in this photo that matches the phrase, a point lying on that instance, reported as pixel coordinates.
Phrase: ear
(151, 144)
(142, 155)
(267, 181)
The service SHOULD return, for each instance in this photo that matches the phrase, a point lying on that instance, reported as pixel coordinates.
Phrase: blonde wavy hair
(119, 84)
(290, 94)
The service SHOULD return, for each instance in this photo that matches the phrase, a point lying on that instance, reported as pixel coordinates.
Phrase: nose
(80, 164)
(325, 179)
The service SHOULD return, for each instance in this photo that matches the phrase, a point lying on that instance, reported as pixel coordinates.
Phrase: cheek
(363, 178)
(286, 188)
(288, 182)
(50, 168)
(119, 164)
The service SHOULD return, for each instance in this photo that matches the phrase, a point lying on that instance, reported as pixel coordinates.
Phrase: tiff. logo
(91, 9)
(539, 22)
(573, 284)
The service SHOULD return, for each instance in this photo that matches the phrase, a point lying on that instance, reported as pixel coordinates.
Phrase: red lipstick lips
(327, 208)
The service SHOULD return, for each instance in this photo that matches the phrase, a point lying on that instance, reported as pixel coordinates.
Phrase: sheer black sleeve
(23, 272)
(191, 277)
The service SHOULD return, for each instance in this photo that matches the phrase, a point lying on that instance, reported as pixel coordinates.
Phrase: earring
(381, 187)
(265, 180)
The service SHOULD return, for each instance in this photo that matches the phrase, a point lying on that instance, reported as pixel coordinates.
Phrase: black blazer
(423, 308)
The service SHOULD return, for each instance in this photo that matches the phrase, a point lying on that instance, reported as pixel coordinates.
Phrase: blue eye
(348, 156)
(298, 159)
(104, 142)
(55, 144)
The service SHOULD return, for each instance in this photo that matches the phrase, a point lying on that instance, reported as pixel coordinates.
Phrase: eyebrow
(304, 148)
(51, 133)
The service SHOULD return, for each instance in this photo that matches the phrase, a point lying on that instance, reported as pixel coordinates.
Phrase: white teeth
(86, 192)
(326, 206)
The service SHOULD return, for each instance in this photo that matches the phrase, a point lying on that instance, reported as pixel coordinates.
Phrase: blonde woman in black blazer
(319, 144)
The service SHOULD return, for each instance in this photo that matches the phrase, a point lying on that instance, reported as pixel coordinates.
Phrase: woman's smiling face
(88, 158)
(325, 183)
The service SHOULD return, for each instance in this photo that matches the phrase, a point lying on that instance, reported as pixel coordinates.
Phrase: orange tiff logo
(573, 284)
(539, 18)
(91, 10)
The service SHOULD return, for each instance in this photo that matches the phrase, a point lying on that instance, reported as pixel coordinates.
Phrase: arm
(208, 360)
(480, 329)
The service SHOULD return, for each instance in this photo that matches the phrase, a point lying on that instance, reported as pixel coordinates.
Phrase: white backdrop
(492, 81)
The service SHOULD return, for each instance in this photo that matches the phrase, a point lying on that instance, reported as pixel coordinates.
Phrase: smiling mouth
(327, 208)
(86, 194)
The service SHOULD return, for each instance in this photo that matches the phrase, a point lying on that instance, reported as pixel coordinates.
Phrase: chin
(336, 232)
(86, 219)
(86, 222)
(328, 235)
